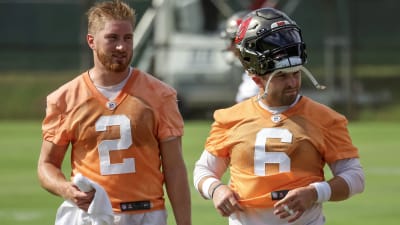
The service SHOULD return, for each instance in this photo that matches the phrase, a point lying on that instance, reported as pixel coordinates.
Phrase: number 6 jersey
(116, 143)
(271, 154)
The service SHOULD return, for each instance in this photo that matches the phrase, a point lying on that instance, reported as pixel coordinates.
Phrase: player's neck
(106, 78)
(278, 109)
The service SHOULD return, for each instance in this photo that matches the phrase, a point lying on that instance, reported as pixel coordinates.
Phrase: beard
(113, 65)
(288, 100)
(280, 98)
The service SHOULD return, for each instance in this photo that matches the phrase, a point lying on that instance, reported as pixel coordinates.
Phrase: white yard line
(383, 170)
(21, 215)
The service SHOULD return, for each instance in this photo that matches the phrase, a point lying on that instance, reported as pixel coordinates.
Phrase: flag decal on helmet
(242, 30)
(279, 23)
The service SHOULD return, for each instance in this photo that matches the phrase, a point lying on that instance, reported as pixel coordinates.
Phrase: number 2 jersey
(116, 143)
(273, 153)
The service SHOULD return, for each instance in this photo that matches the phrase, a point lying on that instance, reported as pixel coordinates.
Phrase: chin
(288, 100)
(116, 67)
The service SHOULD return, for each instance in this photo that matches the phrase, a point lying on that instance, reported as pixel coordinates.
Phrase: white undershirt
(111, 92)
(279, 109)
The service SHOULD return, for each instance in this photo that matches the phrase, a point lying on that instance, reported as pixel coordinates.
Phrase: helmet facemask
(274, 50)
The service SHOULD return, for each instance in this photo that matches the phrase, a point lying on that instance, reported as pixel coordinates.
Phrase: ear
(90, 41)
(258, 80)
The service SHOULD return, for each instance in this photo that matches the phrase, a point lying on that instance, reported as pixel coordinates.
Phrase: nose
(292, 79)
(119, 46)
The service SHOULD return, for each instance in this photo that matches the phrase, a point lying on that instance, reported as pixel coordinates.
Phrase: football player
(123, 127)
(247, 88)
(276, 144)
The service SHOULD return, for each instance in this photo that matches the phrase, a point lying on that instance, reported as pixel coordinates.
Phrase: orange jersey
(270, 154)
(116, 143)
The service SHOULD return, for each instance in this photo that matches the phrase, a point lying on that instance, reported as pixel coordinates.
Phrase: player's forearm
(49, 170)
(177, 187)
(339, 189)
(349, 179)
(51, 178)
(206, 186)
(210, 168)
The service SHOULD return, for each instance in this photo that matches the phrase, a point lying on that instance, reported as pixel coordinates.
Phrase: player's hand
(295, 203)
(226, 201)
(81, 199)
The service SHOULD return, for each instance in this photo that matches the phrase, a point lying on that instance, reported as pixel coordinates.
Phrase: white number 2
(262, 157)
(105, 146)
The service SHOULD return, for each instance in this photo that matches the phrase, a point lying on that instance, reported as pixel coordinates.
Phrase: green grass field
(22, 201)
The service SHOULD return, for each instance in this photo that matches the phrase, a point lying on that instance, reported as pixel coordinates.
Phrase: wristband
(205, 188)
(323, 191)
(215, 188)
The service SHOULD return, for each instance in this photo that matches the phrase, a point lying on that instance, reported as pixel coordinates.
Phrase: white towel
(99, 212)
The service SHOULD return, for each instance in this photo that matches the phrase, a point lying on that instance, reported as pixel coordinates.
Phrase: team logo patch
(111, 105)
(278, 195)
(276, 118)
(279, 23)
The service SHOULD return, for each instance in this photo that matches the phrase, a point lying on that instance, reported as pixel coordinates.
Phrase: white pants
(253, 216)
(68, 214)
(158, 217)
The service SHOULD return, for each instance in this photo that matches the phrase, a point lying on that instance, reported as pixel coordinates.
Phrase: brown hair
(109, 10)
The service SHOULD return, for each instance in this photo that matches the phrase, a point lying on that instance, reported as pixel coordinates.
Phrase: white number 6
(105, 146)
(261, 156)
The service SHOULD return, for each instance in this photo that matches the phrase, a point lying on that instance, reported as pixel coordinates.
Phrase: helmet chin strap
(264, 95)
(290, 70)
(312, 78)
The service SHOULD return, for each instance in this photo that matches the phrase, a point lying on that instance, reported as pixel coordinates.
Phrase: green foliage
(23, 201)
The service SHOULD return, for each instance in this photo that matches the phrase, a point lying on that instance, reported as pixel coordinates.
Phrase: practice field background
(22, 201)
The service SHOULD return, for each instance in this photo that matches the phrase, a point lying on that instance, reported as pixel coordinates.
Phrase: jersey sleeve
(162, 98)
(338, 143)
(218, 140)
(170, 119)
(56, 127)
(334, 142)
(53, 126)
